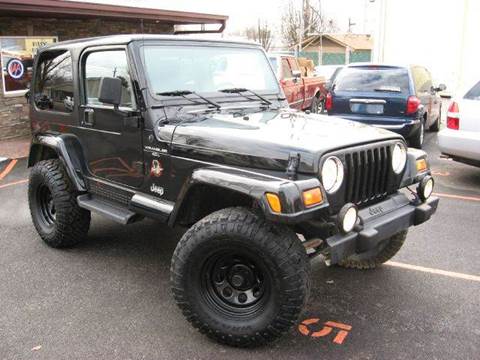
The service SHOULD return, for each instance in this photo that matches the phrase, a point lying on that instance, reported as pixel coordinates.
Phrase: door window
(53, 88)
(111, 63)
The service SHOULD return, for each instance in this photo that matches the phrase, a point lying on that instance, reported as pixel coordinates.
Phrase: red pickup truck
(302, 92)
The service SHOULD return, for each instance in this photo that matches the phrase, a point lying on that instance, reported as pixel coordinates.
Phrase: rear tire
(59, 220)
(417, 139)
(436, 125)
(316, 107)
(370, 260)
(239, 279)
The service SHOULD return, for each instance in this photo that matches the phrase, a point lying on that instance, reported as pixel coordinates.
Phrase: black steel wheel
(240, 279)
(59, 220)
(235, 282)
(46, 206)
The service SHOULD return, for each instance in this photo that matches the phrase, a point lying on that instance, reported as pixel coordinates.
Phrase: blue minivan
(398, 98)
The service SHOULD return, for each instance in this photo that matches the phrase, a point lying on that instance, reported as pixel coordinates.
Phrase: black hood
(266, 139)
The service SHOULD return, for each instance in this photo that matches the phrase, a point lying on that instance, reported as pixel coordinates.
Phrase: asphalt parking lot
(109, 297)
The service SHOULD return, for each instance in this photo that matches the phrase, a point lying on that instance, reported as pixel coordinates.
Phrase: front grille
(367, 173)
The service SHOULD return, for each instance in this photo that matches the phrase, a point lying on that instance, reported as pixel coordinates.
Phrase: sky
(243, 13)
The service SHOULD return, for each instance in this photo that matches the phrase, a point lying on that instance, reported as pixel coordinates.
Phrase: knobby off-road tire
(372, 259)
(239, 279)
(59, 220)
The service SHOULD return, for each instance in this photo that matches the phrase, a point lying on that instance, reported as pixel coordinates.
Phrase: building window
(16, 57)
(54, 82)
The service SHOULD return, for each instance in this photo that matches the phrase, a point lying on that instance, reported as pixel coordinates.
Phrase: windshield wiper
(184, 93)
(388, 89)
(241, 90)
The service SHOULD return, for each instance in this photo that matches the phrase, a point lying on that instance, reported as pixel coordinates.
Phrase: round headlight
(332, 174)
(399, 158)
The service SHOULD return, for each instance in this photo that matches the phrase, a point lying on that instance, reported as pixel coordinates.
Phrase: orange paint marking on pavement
(14, 183)
(8, 168)
(326, 330)
(458, 197)
(439, 173)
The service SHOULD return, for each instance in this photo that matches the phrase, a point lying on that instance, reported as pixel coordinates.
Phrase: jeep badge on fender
(197, 133)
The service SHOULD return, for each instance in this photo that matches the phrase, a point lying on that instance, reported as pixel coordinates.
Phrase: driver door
(112, 139)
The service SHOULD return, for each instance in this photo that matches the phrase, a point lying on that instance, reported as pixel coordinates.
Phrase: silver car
(461, 138)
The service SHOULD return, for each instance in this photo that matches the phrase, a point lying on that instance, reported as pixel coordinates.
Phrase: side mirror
(441, 87)
(296, 74)
(110, 91)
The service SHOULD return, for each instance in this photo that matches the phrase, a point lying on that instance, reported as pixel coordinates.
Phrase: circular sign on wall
(15, 68)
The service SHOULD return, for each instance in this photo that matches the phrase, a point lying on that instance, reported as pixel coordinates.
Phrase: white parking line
(434, 271)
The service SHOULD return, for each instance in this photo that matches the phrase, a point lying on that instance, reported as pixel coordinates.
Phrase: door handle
(89, 117)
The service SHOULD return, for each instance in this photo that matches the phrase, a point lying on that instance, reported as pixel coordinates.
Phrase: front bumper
(379, 222)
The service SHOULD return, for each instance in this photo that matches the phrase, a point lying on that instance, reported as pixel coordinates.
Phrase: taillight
(412, 105)
(328, 102)
(453, 116)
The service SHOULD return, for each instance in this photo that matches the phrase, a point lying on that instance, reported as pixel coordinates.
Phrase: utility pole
(350, 24)
(302, 25)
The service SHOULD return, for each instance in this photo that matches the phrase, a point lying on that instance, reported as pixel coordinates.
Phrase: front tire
(59, 220)
(316, 107)
(239, 279)
(370, 260)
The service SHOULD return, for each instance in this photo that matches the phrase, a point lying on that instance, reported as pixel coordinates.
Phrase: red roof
(71, 9)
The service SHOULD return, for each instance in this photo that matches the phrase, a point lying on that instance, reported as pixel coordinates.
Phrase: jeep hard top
(198, 133)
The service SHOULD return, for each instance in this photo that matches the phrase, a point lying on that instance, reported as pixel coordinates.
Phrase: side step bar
(139, 205)
(106, 208)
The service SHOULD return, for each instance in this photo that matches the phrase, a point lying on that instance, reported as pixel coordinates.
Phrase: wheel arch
(64, 147)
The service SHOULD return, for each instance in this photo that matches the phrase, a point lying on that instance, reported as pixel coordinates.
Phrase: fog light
(347, 217)
(425, 188)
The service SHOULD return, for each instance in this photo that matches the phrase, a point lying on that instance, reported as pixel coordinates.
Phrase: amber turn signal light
(274, 202)
(312, 197)
(421, 165)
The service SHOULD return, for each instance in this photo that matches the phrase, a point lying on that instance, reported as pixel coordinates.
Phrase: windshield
(373, 78)
(207, 69)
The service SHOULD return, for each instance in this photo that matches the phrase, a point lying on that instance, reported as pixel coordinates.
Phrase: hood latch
(293, 164)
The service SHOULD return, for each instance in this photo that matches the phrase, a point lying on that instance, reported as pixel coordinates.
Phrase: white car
(461, 138)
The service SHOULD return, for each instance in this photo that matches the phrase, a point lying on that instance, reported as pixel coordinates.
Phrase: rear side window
(373, 78)
(473, 93)
(53, 88)
(111, 63)
(422, 79)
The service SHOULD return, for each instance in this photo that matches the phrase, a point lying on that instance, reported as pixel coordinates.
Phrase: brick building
(27, 24)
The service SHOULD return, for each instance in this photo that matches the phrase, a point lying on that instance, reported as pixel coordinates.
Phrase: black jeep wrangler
(197, 133)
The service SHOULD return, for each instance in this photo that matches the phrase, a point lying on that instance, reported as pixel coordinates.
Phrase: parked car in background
(329, 72)
(399, 98)
(302, 92)
(461, 138)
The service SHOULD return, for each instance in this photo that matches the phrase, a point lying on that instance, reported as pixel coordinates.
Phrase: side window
(473, 93)
(53, 87)
(422, 79)
(108, 63)
(287, 73)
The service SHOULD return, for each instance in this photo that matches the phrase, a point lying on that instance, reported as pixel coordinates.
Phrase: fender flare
(252, 184)
(68, 150)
